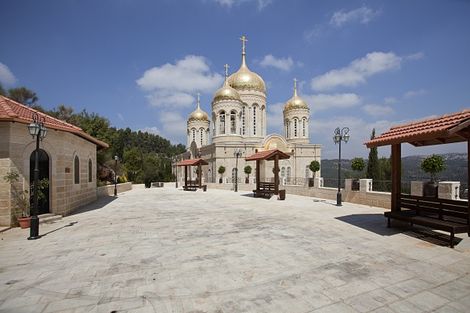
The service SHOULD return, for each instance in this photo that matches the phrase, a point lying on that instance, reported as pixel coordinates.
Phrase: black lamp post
(340, 135)
(237, 153)
(176, 172)
(116, 158)
(38, 131)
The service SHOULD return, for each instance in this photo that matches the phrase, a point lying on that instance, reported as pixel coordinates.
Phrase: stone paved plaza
(165, 250)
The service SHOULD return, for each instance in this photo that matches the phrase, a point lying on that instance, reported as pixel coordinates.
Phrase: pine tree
(373, 169)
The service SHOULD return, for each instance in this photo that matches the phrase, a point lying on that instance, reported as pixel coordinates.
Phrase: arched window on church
(243, 121)
(254, 120)
(295, 127)
(201, 132)
(288, 174)
(76, 170)
(222, 122)
(233, 124)
(283, 171)
(287, 129)
(194, 134)
(304, 132)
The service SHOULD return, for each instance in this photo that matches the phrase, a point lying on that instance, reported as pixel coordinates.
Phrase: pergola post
(468, 182)
(276, 174)
(257, 173)
(185, 176)
(199, 175)
(396, 177)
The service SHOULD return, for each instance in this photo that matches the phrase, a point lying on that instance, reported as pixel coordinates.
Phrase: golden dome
(295, 102)
(244, 79)
(226, 92)
(198, 114)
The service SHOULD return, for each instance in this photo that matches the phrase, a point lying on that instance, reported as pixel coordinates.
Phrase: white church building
(237, 127)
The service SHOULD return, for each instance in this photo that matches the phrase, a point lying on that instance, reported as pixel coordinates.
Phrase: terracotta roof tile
(267, 155)
(11, 110)
(423, 131)
(192, 162)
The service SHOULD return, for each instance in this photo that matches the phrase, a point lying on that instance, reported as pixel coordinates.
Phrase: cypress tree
(373, 170)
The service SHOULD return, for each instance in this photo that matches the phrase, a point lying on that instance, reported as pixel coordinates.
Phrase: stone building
(238, 124)
(67, 159)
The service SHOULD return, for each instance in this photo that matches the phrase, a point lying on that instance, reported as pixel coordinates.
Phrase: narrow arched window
(201, 131)
(288, 174)
(222, 122)
(194, 134)
(233, 124)
(243, 120)
(283, 171)
(254, 120)
(295, 127)
(304, 122)
(90, 171)
(76, 170)
(287, 129)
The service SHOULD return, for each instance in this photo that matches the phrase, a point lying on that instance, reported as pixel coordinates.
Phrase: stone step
(49, 218)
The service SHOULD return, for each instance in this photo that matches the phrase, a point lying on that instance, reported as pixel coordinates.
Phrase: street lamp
(116, 158)
(36, 130)
(340, 135)
(237, 153)
(175, 160)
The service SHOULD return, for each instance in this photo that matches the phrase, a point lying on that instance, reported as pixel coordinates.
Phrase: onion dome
(226, 92)
(244, 79)
(198, 114)
(295, 102)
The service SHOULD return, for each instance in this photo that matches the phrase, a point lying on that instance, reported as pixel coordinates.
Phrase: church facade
(237, 127)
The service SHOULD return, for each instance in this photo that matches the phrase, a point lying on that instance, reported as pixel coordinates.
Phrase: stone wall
(108, 190)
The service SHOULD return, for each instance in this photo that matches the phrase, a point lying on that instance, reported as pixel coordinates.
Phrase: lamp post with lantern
(237, 153)
(116, 158)
(38, 131)
(340, 135)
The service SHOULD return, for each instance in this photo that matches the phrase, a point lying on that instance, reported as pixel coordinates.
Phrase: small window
(222, 122)
(90, 171)
(201, 131)
(76, 167)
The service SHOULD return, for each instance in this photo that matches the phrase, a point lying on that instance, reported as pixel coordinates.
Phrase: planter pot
(247, 180)
(430, 189)
(220, 180)
(25, 222)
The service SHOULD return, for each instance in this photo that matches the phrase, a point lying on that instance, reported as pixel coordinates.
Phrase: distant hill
(456, 168)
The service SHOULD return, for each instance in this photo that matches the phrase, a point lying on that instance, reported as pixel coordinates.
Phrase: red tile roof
(192, 162)
(268, 155)
(12, 111)
(445, 129)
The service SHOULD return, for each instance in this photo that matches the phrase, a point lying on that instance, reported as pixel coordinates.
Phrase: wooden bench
(266, 190)
(447, 215)
(193, 185)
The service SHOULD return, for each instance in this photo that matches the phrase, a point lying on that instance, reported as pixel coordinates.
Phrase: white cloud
(357, 71)
(151, 130)
(229, 3)
(415, 56)
(414, 93)
(321, 102)
(377, 110)
(314, 33)
(174, 84)
(361, 15)
(173, 126)
(120, 116)
(284, 64)
(6, 76)
(390, 100)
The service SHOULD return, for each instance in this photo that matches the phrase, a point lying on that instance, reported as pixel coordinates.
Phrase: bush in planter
(314, 166)
(221, 171)
(432, 165)
(358, 165)
(20, 198)
(247, 171)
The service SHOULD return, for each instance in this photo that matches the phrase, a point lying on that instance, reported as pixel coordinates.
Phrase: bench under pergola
(449, 215)
(268, 155)
(193, 184)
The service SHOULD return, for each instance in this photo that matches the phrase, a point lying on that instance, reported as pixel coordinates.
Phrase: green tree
(2, 91)
(358, 165)
(247, 171)
(23, 95)
(132, 159)
(433, 165)
(221, 171)
(314, 167)
(373, 166)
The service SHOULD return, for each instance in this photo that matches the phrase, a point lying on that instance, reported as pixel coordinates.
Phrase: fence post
(449, 190)
(417, 188)
(365, 185)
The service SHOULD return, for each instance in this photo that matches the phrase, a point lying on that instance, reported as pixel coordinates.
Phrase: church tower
(226, 113)
(198, 127)
(296, 119)
(252, 90)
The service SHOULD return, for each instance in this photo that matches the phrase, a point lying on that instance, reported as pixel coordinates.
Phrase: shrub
(433, 165)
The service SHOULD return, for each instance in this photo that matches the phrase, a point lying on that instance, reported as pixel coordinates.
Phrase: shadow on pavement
(54, 230)
(98, 204)
(377, 224)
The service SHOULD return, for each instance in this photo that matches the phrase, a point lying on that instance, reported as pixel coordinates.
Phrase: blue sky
(140, 63)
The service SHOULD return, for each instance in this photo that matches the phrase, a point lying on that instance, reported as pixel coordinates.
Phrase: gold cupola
(198, 114)
(226, 92)
(295, 102)
(244, 79)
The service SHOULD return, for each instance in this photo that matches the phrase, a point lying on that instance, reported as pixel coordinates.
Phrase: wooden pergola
(192, 162)
(442, 130)
(268, 155)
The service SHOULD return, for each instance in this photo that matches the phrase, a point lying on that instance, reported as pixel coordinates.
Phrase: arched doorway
(43, 204)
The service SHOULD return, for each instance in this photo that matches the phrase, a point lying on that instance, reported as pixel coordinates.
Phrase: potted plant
(432, 165)
(20, 199)
(221, 171)
(358, 165)
(314, 167)
(247, 171)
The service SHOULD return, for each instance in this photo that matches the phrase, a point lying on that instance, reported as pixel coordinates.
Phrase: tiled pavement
(166, 250)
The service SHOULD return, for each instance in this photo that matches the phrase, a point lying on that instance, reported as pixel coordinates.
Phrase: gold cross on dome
(226, 66)
(198, 99)
(295, 83)
(244, 40)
